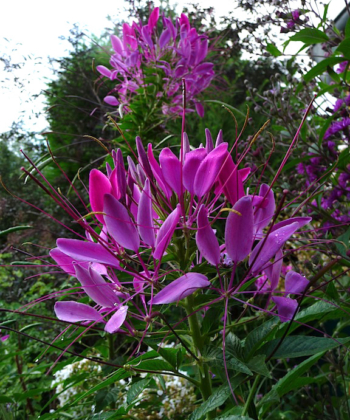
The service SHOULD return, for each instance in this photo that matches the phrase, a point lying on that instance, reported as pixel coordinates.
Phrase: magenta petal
(199, 109)
(75, 312)
(265, 210)
(268, 247)
(143, 160)
(164, 38)
(166, 232)
(64, 261)
(119, 224)
(157, 172)
(87, 251)
(219, 139)
(111, 100)
(171, 169)
(239, 230)
(145, 217)
(302, 221)
(153, 19)
(231, 182)
(209, 169)
(99, 185)
(209, 144)
(116, 320)
(121, 178)
(192, 162)
(295, 283)
(207, 242)
(117, 44)
(104, 71)
(180, 288)
(286, 307)
(273, 271)
(96, 287)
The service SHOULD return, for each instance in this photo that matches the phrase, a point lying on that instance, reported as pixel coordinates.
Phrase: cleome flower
(156, 211)
(174, 53)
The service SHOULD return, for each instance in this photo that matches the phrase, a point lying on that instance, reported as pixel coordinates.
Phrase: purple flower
(336, 127)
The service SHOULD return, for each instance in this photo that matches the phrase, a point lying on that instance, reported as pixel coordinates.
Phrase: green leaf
(169, 355)
(105, 398)
(256, 337)
(257, 365)
(217, 398)
(214, 357)
(343, 241)
(321, 67)
(344, 48)
(347, 29)
(117, 376)
(4, 399)
(300, 346)
(273, 50)
(14, 229)
(290, 381)
(211, 319)
(233, 417)
(153, 364)
(136, 389)
(310, 36)
(233, 345)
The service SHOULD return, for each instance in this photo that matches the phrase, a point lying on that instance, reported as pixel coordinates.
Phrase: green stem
(204, 375)
(111, 346)
(251, 395)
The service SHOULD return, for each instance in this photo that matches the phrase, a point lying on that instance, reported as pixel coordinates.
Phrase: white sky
(30, 31)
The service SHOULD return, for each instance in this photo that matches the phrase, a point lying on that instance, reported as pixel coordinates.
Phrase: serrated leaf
(310, 36)
(217, 398)
(105, 398)
(301, 346)
(233, 417)
(256, 337)
(214, 357)
(287, 383)
(211, 319)
(117, 376)
(136, 389)
(154, 364)
(257, 365)
(233, 345)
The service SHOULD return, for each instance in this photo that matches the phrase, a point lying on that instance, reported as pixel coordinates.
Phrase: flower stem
(204, 375)
(251, 395)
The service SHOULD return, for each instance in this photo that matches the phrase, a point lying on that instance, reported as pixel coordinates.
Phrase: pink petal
(75, 312)
(209, 170)
(286, 307)
(153, 18)
(143, 160)
(111, 100)
(231, 182)
(166, 232)
(219, 139)
(302, 221)
(268, 247)
(264, 212)
(119, 224)
(121, 178)
(104, 71)
(145, 217)
(295, 283)
(99, 185)
(96, 287)
(209, 144)
(171, 169)
(273, 271)
(116, 320)
(64, 261)
(117, 44)
(199, 109)
(192, 162)
(239, 230)
(157, 172)
(206, 240)
(164, 38)
(180, 288)
(87, 251)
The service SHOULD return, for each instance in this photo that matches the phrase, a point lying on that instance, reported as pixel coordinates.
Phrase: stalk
(198, 342)
(251, 395)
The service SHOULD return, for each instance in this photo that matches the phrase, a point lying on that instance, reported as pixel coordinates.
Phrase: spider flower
(160, 210)
(174, 51)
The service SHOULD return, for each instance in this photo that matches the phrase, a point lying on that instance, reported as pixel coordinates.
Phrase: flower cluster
(156, 212)
(177, 53)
